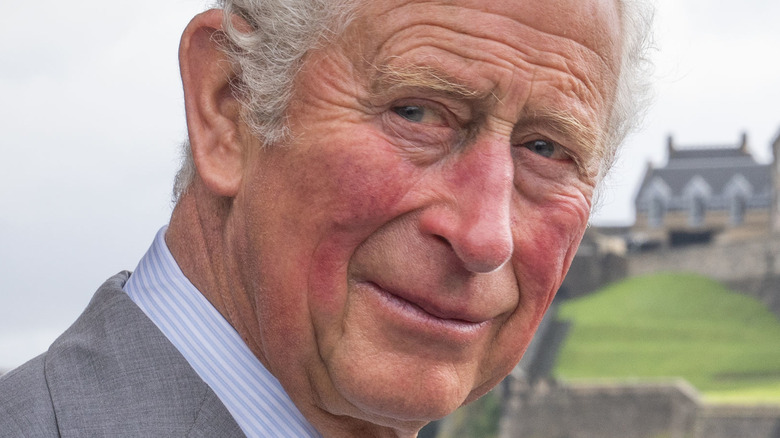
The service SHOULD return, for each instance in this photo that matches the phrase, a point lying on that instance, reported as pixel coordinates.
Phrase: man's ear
(213, 113)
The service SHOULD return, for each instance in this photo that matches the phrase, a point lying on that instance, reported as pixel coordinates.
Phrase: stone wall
(600, 411)
(589, 273)
(751, 267)
(599, 260)
(641, 410)
(725, 262)
(738, 421)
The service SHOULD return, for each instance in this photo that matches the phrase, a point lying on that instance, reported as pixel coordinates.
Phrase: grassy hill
(675, 325)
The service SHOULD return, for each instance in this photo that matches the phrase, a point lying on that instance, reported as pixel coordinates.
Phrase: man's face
(401, 249)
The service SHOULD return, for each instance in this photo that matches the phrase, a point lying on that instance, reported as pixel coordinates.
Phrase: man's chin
(401, 397)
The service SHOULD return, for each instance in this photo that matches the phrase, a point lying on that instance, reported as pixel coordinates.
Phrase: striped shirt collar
(212, 347)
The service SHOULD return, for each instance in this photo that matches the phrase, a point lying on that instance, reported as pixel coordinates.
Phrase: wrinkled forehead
(594, 24)
(498, 47)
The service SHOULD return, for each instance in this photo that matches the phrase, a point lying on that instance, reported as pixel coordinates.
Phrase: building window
(737, 210)
(738, 190)
(657, 212)
(697, 210)
(653, 200)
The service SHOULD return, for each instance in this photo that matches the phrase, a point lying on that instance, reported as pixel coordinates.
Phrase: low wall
(601, 411)
(738, 421)
(642, 410)
(724, 262)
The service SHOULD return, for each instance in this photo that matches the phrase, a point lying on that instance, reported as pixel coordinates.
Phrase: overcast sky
(91, 116)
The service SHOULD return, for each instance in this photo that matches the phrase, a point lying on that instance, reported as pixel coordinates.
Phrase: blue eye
(544, 148)
(411, 113)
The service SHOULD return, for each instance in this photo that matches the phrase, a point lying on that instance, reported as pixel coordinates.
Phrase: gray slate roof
(717, 167)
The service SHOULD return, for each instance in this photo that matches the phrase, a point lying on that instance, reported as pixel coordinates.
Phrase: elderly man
(379, 201)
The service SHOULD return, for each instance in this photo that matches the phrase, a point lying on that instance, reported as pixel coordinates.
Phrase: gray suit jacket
(112, 373)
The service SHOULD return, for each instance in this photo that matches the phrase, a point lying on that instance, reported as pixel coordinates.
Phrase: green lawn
(675, 325)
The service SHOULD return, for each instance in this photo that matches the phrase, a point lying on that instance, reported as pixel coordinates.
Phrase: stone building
(705, 194)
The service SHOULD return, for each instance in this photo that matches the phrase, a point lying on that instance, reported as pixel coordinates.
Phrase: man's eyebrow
(588, 139)
(390, 78)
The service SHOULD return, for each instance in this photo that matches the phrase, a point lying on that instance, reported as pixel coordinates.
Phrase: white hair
(632, 94)
(268, 58)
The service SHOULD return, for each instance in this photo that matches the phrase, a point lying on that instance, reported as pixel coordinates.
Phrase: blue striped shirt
(212, 347)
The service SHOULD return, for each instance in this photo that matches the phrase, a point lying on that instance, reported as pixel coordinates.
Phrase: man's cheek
(365, 187)
(546, 245)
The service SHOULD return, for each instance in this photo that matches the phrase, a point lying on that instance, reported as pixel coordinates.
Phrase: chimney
(744, 145)
(669, 146)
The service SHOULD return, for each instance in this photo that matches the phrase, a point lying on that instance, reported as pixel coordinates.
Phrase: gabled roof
(716, 175)
(709, 157)
(719, 168)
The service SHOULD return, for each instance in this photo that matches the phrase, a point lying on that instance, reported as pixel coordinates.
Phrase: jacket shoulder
(25, 402)
(114, 370)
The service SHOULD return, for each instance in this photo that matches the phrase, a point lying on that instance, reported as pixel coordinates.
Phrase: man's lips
(426, 309)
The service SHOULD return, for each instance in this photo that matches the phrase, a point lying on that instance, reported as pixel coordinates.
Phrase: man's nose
(476, 222)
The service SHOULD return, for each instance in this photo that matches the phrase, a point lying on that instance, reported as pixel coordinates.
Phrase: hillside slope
(675, 325)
